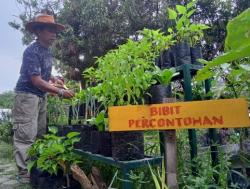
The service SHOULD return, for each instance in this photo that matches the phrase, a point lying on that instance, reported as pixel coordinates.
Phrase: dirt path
(8, 169)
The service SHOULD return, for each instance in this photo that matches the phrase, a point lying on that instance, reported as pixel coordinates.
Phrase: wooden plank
(225, 113)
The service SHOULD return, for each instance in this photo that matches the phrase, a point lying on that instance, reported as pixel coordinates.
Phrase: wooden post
(168, 147)
(170, 157)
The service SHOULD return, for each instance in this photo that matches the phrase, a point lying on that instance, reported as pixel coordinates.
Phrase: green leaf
(191, 4)
(202, 61)
(230, 56)
(162, 177)
(54, 167)
(99, 118)
(170, 30)
(53, 130)
(166, 76)
(193, 27)
(181, 9)
(245, 67)
(30, 165)
(55, 148)
(156, 182)
(203, 26)
(203, 75)
(224, 58)
(72, 134)
(190, 13)
(238, 31)
(235, 73)
(172, 14)
(73, 140)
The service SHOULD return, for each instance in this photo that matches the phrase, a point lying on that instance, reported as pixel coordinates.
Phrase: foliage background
(94, 27)
(6, 99)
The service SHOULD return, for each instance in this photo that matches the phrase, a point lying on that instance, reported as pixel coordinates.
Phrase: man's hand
(49, 87)
(58, 82)
(66, 93)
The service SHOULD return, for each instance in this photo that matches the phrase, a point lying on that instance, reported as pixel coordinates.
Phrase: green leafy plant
(237, 47)
(5, 126)
(138, 179)
(100, 121)
(124, 75)
(6, 131)
(159, 177)
(204, 177)
(164, 76)
(56, 111)
(54, 153)
(7, 99)
(75, 105)
(84, 97)
(184, 29)
(151, 143)
(230, 69)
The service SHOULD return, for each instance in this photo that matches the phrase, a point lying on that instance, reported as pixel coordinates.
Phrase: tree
(6, 99)
(94, 27)
(216, 14)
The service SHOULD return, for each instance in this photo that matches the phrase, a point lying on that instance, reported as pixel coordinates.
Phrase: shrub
(6, 131)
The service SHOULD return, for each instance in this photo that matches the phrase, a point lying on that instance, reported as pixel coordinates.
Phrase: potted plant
(81, 106)
(101, 139)
(95, 136)
(56, 112)
(60, 112)
(186, 34)
(51, 158)
(161, 89)
(123, 77)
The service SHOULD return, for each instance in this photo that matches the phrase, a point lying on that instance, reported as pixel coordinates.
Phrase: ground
(8, 169)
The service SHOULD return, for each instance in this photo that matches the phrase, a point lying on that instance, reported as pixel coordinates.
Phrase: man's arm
(45, 86)
(57, 82)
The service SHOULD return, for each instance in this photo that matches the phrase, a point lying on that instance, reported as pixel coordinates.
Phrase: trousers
(29, 123)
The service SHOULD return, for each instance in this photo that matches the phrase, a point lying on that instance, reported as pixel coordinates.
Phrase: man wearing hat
(29, 111)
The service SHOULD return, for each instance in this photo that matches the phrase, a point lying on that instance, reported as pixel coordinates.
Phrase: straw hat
(43, 19)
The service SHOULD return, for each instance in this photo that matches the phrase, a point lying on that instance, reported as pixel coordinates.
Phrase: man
(29, 111)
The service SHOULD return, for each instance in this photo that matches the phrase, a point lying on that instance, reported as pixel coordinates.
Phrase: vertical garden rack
(187, 71)
(125, 166)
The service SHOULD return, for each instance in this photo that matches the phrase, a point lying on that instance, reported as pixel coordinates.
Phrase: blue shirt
(37, 60)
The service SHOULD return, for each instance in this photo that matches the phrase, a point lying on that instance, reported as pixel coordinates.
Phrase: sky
(11, 48)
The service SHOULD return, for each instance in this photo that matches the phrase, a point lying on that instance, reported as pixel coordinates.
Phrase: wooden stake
(94, 181)
(171, 158)
(170, 154)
